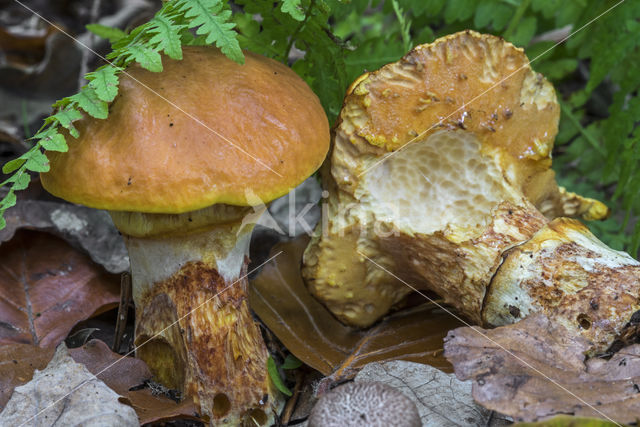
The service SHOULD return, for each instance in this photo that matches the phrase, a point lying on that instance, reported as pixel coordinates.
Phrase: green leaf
(66, 118)
(109, 33)
(291, 362)
(36, 161)
(104, 81)
(8, 201)
(13, 165)
(54, 141)
(148, 58)
(212, 21)
(293, 8)
(20, 181)
(459, 10)
(88, 100)
(275, 377)
(484, 14)
(166, 36)
(524, 32)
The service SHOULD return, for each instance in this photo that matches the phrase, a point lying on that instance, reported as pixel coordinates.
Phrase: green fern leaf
(109, 33)
(36, 161)
(293, 8)
(148, 58)
(13, 165)
(88, 100)
(66, 117)
(211, 20)
(166, 36)
(8, 201)
(20, 180)
(53, 141)
(105, 82)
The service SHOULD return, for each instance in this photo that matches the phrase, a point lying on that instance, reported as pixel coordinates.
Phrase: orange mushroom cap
(202, 132)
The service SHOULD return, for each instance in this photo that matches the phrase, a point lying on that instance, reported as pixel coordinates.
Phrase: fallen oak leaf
(535, 369)
(17, 364)
(47, 287)
(120, 373)
(281, 300)
(66, 393)
(88, 229)
(154, 409)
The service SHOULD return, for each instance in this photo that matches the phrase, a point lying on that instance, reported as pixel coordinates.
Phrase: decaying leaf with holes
(441, 165)
(536, 368)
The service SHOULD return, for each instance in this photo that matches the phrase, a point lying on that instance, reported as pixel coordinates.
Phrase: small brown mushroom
(364, 404)
(179, 173)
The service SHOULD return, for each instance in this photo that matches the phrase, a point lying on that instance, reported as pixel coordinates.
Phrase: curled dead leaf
(535, 369)
(281, 300)
(47, 287)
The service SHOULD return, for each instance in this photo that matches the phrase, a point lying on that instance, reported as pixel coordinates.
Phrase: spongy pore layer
(443, 181)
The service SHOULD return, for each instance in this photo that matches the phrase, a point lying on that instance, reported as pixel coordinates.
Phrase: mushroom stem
(193, 325)
(567, 273)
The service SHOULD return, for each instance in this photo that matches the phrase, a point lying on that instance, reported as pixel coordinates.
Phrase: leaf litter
(46, 287)
(535, 369)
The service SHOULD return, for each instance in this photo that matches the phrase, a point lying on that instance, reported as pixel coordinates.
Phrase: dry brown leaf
(46, 287)
(153, 409)
(120, 373)
(535, 369)
(17, 363)
(86, 228)
(281, 300)
(66, 393)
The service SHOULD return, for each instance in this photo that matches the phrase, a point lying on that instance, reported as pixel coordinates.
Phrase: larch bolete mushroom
(179, 163)
(440, 165)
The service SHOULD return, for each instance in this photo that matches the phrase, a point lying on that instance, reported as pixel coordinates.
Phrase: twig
(123, 310)
(291, 403)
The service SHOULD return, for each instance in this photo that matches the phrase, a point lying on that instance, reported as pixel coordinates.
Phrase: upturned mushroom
(440, 165)
(179, 163)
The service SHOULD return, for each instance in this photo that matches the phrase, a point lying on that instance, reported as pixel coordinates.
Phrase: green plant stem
(406, 38)
(25, 120)
(292, 40)
(590, 138)
(515, 20)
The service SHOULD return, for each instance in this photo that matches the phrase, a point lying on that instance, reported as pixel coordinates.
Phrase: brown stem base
(196, 333)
